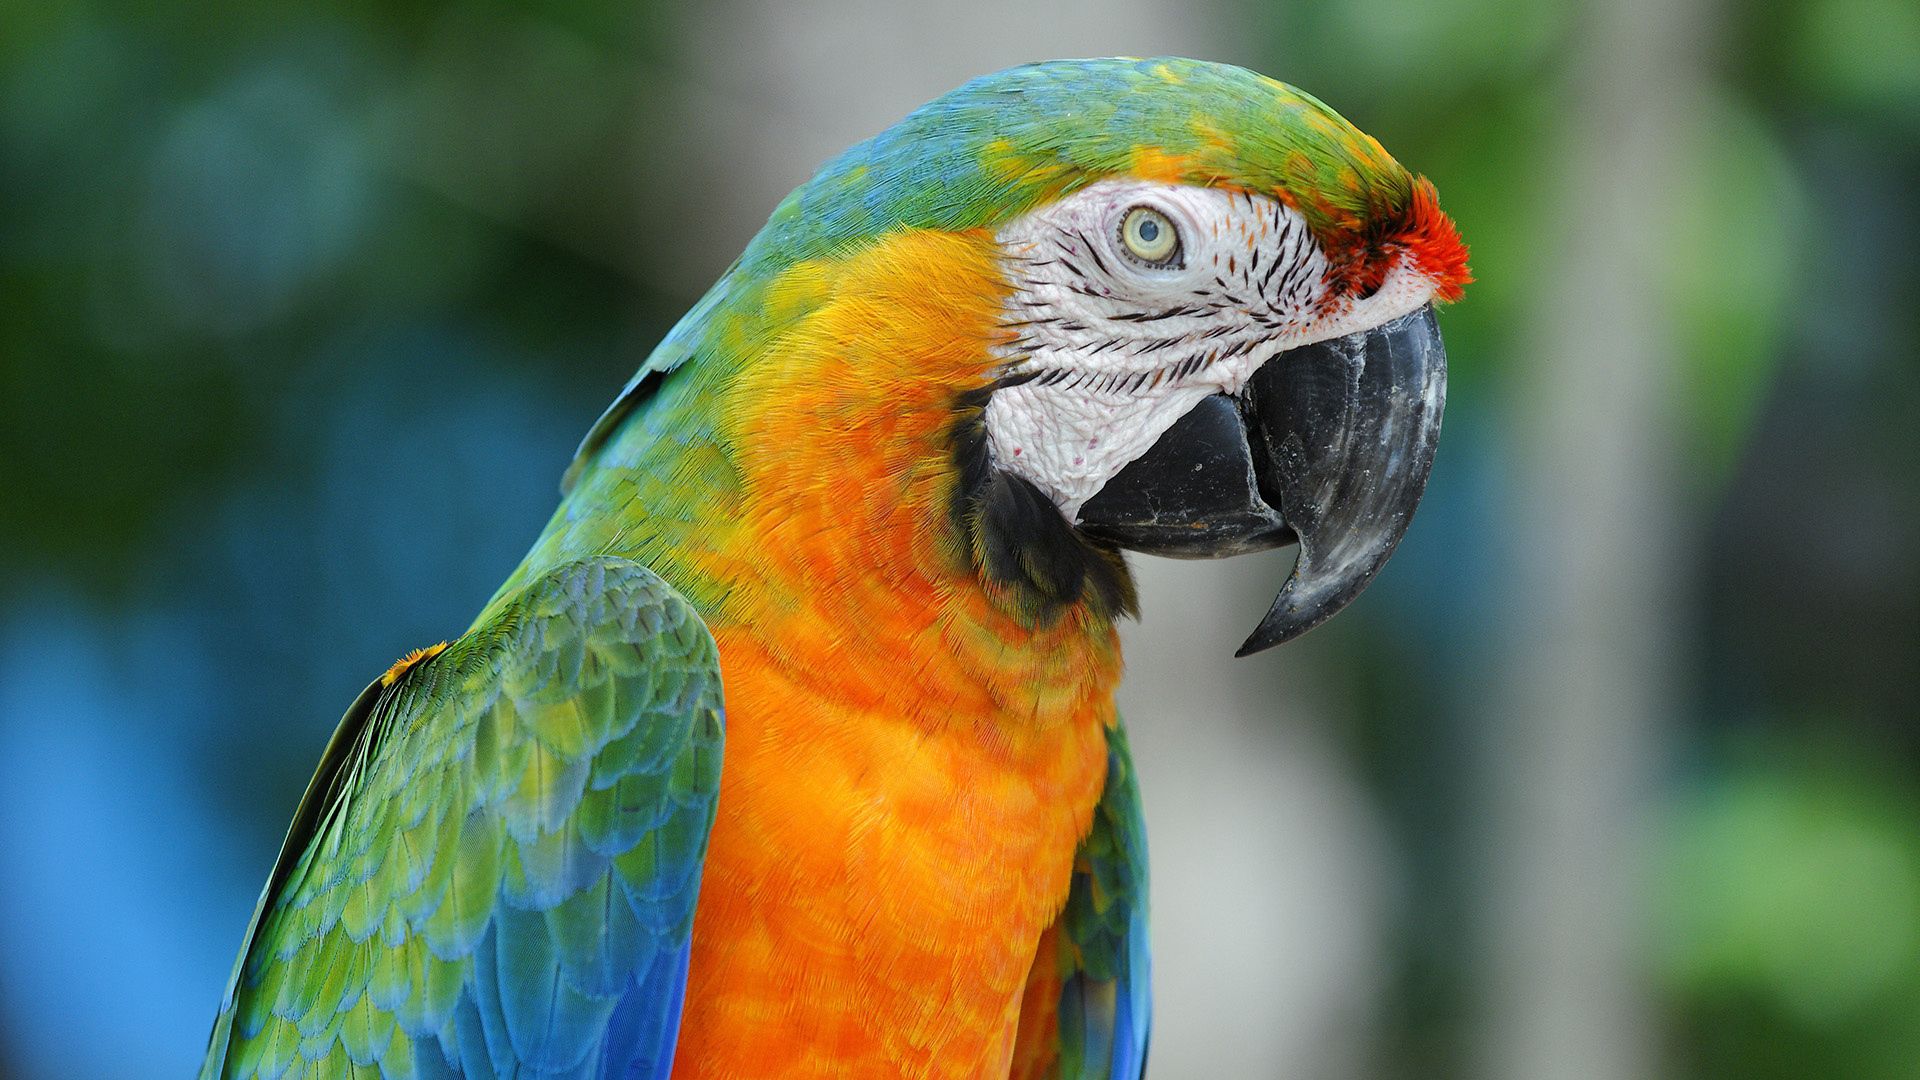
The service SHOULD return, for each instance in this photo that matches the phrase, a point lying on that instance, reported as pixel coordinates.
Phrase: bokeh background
(1613, 775)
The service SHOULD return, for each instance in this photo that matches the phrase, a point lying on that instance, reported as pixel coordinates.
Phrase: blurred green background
(1613, 774)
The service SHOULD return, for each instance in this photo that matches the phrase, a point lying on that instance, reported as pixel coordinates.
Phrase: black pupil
(1149, 230)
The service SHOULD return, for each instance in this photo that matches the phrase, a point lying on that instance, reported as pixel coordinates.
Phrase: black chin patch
(1016, 537)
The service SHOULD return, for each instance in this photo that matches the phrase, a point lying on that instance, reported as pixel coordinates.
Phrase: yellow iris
(1149, 236)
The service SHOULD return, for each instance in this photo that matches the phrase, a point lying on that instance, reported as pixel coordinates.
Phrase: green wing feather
(494, 870)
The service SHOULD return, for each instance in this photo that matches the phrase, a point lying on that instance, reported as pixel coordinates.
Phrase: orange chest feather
(874, 892)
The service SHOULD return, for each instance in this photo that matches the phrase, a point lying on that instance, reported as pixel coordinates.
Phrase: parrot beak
(1328, 446)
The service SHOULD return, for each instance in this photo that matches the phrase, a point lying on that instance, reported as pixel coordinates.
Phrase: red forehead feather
(1431, 240)
(1420, 232)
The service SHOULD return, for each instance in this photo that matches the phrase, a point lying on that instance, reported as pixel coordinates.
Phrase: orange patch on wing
(410, 661)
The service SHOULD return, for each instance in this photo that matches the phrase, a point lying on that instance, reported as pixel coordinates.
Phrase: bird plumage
(926, 857)
(495, 867)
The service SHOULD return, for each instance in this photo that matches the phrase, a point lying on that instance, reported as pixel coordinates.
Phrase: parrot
(791, 747)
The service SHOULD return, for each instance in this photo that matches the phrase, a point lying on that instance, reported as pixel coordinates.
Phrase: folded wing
(494, 870)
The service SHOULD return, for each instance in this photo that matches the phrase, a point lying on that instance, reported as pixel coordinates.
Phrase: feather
(439, 908)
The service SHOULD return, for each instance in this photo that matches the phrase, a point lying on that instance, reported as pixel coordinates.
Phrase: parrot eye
(1148, 235)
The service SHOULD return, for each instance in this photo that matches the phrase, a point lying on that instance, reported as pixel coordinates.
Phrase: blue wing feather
(494, 871)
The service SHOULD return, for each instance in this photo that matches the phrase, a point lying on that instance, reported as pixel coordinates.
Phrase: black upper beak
(1328, 445)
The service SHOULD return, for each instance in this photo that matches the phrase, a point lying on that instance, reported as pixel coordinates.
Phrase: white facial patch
(1118, 349)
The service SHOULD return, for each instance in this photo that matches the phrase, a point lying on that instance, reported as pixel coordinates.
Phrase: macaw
(860, 518)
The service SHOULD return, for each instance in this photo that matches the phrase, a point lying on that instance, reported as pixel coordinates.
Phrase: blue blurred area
(158, 739)
(111, 899)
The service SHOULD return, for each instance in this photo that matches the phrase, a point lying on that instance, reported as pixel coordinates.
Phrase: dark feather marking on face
(1093, 252)
(1016, 539)
(1292, 282)
(976, 398)
(1227, 293)
(1155, 316)
(1266, 280)
(1296, 293)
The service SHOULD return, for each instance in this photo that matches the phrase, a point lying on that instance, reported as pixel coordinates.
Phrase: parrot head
(1158, 305)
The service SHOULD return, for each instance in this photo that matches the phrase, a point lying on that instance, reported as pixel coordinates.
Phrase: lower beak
(1328, 445)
